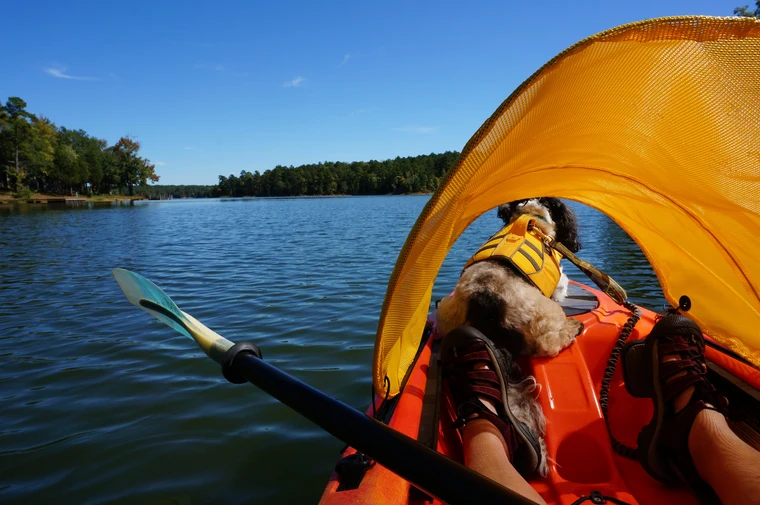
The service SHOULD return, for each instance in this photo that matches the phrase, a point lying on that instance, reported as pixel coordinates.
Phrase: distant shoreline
(419, 193)
(37, 199)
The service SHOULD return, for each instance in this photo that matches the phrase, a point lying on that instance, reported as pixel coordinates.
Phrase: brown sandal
(461, 349)
(663, 445)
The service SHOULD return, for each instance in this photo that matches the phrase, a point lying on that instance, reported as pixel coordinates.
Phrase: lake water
(101, 403)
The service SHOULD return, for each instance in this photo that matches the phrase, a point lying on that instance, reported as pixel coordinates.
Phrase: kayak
(650, 123)
(581, 457)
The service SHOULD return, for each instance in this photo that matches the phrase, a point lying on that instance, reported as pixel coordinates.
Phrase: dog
(500, 302)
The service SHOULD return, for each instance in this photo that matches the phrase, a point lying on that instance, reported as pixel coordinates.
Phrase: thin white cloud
(60, 73)
(205, 66)
(294, 83)
(345, 60)
(159, 163)
(417, 129)
(188, 148)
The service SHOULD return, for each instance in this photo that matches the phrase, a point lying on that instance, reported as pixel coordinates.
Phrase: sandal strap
(676, 344)
(670, 368)
(673, 387)
(492, 393)
(476, 355)
(483, 375)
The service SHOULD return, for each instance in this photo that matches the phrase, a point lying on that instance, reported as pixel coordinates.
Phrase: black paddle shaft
(425, 468)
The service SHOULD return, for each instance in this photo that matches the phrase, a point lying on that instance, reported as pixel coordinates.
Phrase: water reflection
(37, 208)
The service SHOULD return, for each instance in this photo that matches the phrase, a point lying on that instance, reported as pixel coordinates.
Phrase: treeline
(413, 174)
(182, 191)
(37, 155)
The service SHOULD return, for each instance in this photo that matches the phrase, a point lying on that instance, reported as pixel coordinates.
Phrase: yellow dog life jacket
(519, 245)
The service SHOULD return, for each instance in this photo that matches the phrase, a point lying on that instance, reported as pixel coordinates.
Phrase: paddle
(428, 470)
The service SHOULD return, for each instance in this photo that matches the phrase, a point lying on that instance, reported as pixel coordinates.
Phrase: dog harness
(519, 246)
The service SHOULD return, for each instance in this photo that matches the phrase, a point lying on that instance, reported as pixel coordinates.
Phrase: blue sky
(214, 88)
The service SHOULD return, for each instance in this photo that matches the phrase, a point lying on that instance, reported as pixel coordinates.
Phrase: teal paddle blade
(149, 297)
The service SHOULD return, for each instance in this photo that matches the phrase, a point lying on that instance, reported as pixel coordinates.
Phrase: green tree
(95, 156)
(111, 176)
(4, 156)
(16, 131)
(132, 169)
(41, 152)
(89, 172)
(745, 12)
(67, 165)
(72, 170)
(224, 186)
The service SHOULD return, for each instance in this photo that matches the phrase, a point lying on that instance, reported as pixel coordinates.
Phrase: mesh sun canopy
(656, 124)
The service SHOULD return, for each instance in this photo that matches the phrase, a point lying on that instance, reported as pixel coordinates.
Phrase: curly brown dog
(503, 304)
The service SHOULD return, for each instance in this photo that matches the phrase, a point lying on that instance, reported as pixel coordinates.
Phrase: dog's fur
(521, 397)
(507, 308)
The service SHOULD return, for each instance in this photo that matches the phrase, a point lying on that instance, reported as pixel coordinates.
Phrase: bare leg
(486, 452)
(728, 464)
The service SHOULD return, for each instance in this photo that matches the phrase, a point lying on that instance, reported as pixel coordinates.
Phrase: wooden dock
(64, 200)
(58, 199)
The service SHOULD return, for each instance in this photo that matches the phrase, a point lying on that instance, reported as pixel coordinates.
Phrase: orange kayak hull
(581, 458)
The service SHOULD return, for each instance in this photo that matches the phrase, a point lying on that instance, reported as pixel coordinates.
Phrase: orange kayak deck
(581, 458)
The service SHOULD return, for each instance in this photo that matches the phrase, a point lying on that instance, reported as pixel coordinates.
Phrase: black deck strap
(229, 357)
(597, 498)
(625, 332)
(431, 411)
(351, 470)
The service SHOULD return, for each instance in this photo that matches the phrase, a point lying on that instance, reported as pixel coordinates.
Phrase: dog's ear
(506, 210)
(566, 222)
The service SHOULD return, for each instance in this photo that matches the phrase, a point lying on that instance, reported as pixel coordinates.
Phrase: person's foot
(670, 368)
(477, 374)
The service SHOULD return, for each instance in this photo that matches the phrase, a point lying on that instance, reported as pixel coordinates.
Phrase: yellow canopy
(656, 124)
